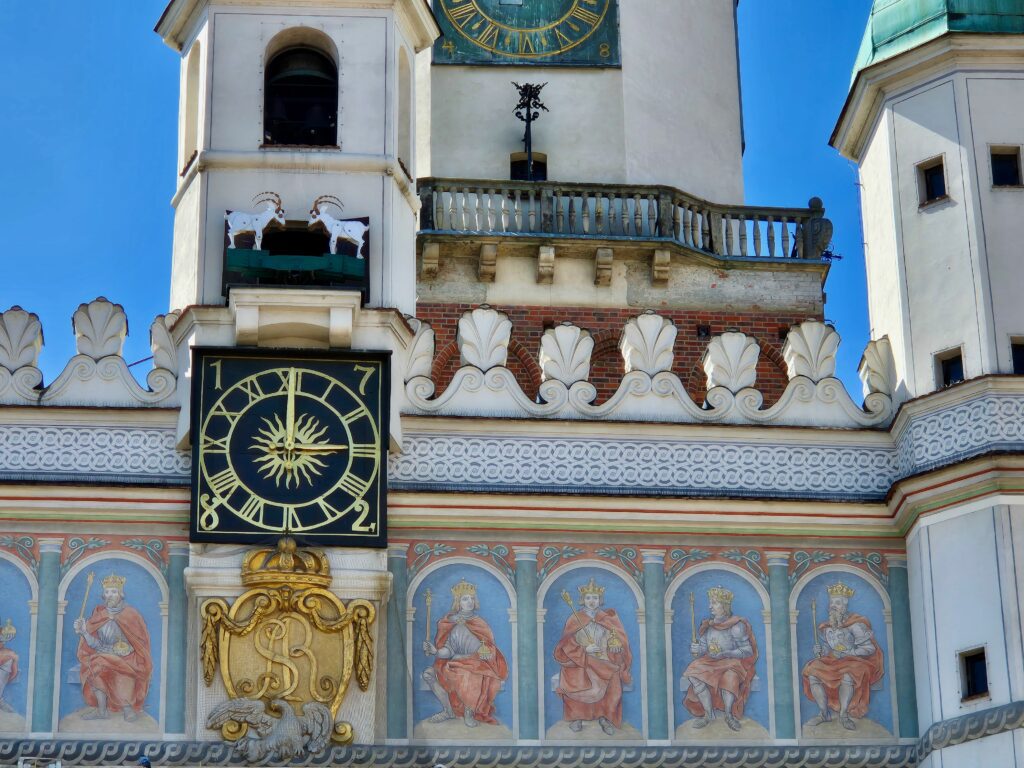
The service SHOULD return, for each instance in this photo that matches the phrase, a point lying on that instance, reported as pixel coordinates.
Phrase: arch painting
(461, 645)
(15, 647)
(592, 653)
(111, 655)
(843, 658)
(719, 651)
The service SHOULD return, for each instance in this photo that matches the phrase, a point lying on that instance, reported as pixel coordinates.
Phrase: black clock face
(289, 446)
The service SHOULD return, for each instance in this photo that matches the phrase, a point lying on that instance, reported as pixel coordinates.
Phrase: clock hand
(319, 447)
(289, 439)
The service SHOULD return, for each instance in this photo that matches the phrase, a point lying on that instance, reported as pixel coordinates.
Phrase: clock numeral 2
(361, 525)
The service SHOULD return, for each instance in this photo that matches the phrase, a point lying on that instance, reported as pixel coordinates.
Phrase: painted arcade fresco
(111, 649)
(592, 656)
(843, 658)
(719, 653)
(462, 655)
(15, 646)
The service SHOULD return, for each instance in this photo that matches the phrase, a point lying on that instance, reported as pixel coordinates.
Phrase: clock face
(289, 445)
(548, 32)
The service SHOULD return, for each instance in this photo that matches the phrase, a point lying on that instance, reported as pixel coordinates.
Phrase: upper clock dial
(578, 32)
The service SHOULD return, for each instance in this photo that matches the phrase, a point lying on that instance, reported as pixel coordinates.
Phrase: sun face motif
(293, 460)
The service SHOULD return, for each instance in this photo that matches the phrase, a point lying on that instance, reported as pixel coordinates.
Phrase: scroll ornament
(287, 649)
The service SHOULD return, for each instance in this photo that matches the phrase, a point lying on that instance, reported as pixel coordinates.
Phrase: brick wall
(529, 323)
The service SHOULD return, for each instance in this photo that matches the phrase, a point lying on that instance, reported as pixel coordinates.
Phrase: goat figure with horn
(255, 221)
(349, 231)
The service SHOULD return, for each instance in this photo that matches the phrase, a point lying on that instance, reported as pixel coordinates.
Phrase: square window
(932, 181)
(1017, 354)
(519, 167)
(973, 674)
(1006, 166)
(949, 367)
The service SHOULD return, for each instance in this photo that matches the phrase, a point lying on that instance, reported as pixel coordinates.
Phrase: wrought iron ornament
(528, 109)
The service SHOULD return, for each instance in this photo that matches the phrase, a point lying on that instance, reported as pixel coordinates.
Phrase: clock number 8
(209, 519)
(605, 50)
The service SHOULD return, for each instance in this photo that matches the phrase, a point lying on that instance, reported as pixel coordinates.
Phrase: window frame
(943, 357)
(922, 168)
(1005, 150)
(967, 699)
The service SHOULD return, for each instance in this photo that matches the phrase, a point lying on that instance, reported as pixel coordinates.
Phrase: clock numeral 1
(224, 483)
(353, 486)
(216, 365)
(252, 510)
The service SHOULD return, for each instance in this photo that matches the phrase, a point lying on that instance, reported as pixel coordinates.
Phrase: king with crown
(8, 663)
(115, 656)
(469, 669)
(596, 662)
(847, 662)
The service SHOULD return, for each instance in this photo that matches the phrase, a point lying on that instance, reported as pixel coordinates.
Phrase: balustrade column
(782, 646)
(903, 647)
(526, 629)
(46, 635)
(654, 612)
(177, 635)
(398, 726)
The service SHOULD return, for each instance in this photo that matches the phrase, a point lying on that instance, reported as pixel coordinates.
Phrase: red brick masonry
(529, 323)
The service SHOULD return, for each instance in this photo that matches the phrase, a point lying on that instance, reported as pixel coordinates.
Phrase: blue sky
(90, 101)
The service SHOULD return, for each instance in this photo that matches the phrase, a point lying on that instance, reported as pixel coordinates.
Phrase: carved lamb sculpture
(255, 221)
(350, 231)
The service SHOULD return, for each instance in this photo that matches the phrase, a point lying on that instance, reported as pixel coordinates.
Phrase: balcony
(637, 216)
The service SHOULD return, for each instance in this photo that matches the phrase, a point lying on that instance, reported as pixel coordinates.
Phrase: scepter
(85, 598)
(579, 620)
(429, 599)
(693, 622)
(814, 619)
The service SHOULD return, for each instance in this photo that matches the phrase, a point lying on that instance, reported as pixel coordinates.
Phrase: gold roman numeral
(356, 413)
(489, 36)
(253, 509)
(525, 43)
(352, 485)
(224, 483)
(221, 410)
(365, 451)
(215, 444)
(562, 38)
(291, 518)
(462, 14)
(588, 17)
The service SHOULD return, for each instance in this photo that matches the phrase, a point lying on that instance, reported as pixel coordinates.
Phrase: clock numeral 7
(367, 372)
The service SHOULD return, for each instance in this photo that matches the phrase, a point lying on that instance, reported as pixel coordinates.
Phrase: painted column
(46, 636)
(177, 635)
(782, 646)
(526, 630)
(398, 726)
(654, 626)
(903, 647)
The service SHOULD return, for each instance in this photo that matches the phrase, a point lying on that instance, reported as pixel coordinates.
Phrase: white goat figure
(255, 221)
(350, 231)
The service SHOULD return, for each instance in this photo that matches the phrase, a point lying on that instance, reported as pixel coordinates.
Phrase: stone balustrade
(615, 212)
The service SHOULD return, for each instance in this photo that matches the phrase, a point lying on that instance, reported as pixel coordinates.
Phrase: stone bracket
(431, 260)
(545, 264)
(603, 266)
(660, 263)
(488, 263)
(289, 318)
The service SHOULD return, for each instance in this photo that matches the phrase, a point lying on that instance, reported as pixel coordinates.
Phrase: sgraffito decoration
(287, 649)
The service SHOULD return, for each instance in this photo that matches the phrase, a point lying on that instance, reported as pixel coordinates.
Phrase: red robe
(475, 681)
(733, 675)
(6, 654)
(591, 686)
(863, 670)
(124, 679)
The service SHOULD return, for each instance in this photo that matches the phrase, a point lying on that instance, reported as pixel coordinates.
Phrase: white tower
(301, 100)
(935, 120)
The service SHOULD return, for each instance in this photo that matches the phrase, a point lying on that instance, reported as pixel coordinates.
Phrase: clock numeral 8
(208, 519)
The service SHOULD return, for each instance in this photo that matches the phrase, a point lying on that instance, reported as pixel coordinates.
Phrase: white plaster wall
(887, 305)
(937, 256)
(959, 608)
(240, 39)
(996, 104)
(185, 268)
(670, 115)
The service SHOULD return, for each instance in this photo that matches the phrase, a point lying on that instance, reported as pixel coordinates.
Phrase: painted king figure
(847, 662)
(8, 663)
(596, 662)
(722, 670)
(468, 669)
(115, 656)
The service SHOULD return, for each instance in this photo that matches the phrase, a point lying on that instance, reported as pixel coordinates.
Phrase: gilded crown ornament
(840, 590)
(7, 632)
(113, 581)
(287, 645)
(720, 594)
(463, 588)
(591, 588)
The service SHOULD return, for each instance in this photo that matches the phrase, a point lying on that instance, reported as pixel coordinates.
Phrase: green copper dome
(896, 26)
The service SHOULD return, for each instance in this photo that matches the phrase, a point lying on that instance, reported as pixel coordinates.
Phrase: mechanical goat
(350, 231)
(255, 221)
